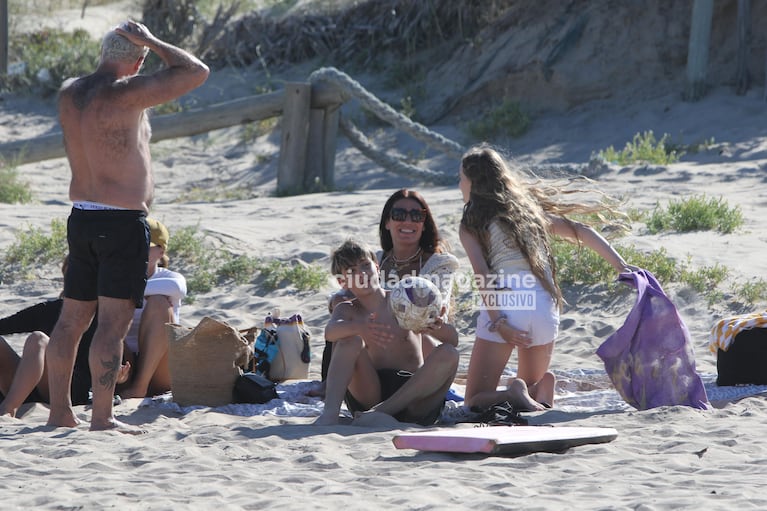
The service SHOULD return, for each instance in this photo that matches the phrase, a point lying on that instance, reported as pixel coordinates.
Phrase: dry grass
(373, 34)
(359, 33)
(37, 6)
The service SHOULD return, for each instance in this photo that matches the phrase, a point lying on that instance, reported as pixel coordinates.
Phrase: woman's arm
(440, 269)
(577, 231)
(473, 251)
(443, 332)
(478, 263)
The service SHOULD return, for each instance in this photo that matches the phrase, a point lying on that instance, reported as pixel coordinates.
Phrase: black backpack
(745, 361)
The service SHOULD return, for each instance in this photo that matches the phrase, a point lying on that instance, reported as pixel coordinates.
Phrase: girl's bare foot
(317, 390)
(543, 391)
(518, 396)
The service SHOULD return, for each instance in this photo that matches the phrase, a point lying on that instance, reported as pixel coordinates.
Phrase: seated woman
(23, 379)
(146, 345)
(412, 245)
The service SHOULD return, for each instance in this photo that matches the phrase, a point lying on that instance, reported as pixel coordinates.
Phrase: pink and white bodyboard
(504, 439)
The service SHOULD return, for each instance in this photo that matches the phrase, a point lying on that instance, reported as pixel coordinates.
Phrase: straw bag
(281, 350)
(205, 362)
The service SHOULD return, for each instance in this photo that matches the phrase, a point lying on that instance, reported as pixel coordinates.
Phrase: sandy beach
(270, 456)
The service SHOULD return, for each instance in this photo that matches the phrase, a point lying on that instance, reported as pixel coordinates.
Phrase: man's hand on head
(135, 32)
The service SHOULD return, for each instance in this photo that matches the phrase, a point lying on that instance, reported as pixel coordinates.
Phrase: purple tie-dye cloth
(650, 358)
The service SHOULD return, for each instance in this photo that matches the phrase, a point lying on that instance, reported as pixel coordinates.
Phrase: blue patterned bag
(265, 350)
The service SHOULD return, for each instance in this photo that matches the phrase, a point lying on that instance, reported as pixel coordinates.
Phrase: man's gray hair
(117, 48)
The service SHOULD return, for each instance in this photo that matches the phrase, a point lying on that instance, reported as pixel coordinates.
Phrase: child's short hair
(349, 254)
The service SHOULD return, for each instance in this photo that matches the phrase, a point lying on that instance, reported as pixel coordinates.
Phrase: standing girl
(505, 231)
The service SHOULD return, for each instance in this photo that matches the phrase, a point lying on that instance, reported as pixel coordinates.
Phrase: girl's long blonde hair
(521, 209)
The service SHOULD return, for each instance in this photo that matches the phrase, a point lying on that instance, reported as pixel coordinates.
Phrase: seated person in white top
(146, 345)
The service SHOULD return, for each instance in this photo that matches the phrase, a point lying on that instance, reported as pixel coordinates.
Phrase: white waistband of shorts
(87, 205)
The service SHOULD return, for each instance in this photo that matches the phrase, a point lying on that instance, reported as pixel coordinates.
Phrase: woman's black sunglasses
(400, 215)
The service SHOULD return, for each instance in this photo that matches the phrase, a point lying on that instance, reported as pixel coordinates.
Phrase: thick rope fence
(350, 88)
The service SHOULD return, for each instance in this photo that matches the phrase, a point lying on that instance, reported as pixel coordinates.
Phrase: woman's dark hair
(430, 239)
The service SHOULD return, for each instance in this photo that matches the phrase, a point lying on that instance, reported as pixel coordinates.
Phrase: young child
(504, 230)
(377, 367)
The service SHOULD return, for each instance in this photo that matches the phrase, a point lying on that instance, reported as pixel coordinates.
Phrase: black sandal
(500, 414)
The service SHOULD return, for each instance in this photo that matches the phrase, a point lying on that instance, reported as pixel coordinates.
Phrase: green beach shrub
(643, 148)
(49, 57)
(205, 266)
(581, 265)
(697, 213)
(752, 292)
(12, 190)
(507, 119)
(705, 279)
(32, 248)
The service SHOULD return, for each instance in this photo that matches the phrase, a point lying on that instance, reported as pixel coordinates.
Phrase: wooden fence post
(697, 51)
(291, 169)
(742, 76)
(330, 145)
(321, 150)
(4, 37)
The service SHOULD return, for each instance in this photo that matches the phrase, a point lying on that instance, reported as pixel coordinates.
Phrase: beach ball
(415, 302)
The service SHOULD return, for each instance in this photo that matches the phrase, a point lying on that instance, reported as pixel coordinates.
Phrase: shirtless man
(106, 136)
(378, 367)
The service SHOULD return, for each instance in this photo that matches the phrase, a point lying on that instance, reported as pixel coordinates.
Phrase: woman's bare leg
(28, 375)
(488, 359)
